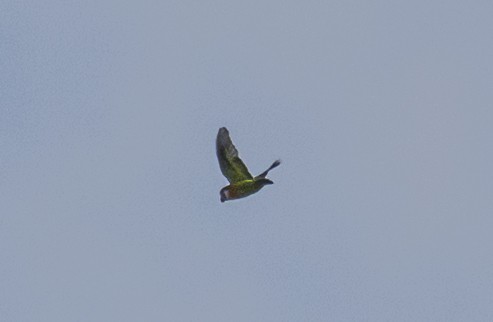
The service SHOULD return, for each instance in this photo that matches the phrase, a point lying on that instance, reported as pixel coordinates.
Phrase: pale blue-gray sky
(109, 185)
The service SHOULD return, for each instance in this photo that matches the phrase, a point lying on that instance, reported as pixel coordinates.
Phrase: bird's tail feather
(275, 164)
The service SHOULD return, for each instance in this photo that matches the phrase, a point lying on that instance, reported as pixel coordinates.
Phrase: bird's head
(224, 194)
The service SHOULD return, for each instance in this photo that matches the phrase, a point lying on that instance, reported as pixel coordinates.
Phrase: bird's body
(242, 183)
(242, 189)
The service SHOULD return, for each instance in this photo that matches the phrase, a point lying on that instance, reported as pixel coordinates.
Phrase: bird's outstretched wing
(231, 165)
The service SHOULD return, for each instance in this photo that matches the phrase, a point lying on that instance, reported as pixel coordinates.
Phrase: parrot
(241, 182)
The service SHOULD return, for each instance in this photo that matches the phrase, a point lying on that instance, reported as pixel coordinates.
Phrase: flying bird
(241, 182)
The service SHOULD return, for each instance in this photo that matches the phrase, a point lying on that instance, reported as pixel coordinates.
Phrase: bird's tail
(263, 174)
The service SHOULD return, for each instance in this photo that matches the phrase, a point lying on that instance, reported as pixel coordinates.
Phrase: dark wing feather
(231, 165)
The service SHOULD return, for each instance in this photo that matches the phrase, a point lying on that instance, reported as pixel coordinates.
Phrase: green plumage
(231, 165)
(242, 183)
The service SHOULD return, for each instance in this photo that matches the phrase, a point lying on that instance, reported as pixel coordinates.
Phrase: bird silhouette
(241, 182)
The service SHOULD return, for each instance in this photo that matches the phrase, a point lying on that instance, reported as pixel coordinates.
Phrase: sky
(381, 112)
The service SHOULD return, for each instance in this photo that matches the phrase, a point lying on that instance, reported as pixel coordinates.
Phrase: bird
(241, 182)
